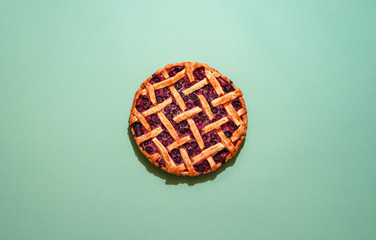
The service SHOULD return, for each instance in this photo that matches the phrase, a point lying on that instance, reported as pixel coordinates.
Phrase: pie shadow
(172, 179)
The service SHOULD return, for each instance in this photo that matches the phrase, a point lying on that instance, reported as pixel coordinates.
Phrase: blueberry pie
(188, 119)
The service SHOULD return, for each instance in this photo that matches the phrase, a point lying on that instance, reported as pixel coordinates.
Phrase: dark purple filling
(199, 73)
(182, 128)
(174, 70)
(202, 166)
(219, 112)
(201, 120)
(220, 157)
(192, 148)
(191, 100)
(161, 162)
(229, 128)
(176, 156)
(138, 129)
(149, 147)
(143, 103)
(183, 84)
(171, 110)
(154, 121)
(211, 138)
(165, 138)
(226, 86)
(162, 94)
(236, 104)
(208, 92)
(156, 78)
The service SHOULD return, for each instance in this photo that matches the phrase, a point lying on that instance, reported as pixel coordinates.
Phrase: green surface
(68, 74)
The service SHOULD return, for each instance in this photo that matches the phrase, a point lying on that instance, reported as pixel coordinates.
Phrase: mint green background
(68, 74)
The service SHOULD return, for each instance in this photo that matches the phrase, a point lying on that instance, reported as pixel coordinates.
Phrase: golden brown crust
(239, 117)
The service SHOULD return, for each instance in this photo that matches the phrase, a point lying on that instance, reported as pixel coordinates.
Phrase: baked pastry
(188, 119)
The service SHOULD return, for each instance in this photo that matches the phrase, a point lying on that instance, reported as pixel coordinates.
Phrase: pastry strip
(168, 125)
(238, 133)
(205, 106)
(213, 81)
(207, 152)
(152, 134)
(241, 111)
(196, 87)
(227, 142)
(227, 97)
(164, 153)
(169, 81)
(157, 108)
(214, 125)
(150, 89)
(187, 162)
(187, 114)
(189, 71)
(178, 143)
(196, 133)
(142, 119)
(212, 163)
(232, 114)
(178, 98)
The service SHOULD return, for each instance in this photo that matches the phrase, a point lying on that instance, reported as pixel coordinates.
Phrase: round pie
(188, 119)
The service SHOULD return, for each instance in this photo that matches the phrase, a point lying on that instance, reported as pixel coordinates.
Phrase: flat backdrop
(68, 74)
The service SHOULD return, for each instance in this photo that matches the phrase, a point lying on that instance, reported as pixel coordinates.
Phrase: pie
(188, 119)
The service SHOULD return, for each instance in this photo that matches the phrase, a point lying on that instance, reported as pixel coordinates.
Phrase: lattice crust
(188, 119)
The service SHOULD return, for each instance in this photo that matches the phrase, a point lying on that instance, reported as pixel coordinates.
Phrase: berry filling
(219, 112)
(208, 92)
(182, 128)
(138, 129)
(236, 104)
(191, 100)
(211, 138)
(229, 128)
(202, 166)
(172, 110)
(156, 78)
(165, 138)
(174, 70)
(226, 86)
(199, 73)
(201, 120)
(176, 156)
(149, 147)
(154, 121)
(183, 84)
(220, 157)
(162, 94)
(161, 162)
(192, 148)
(143, 103)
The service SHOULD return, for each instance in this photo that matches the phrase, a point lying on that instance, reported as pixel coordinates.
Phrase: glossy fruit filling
(138, 129)
(156, 78)
(199, 73)
(211, 138)
(229, 128)
(162, 94)
(176, 156)
(174, 70)
(202, 166)
(149, 147)
(161, 162)
(226, 86)
(192, 148)
(143, 103)
(220, 157)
